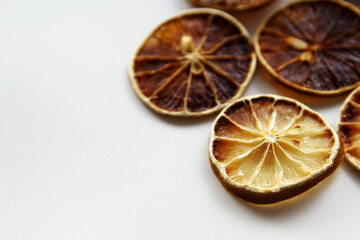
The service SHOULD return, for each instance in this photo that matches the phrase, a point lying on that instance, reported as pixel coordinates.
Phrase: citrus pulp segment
(349, 128)
(312, 46)
(230, 5)
(268, 148)
(193, 64)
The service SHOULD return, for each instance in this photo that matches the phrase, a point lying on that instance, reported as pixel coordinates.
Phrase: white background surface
(82, 158)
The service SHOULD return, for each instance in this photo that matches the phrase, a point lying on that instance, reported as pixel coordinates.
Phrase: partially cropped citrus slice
(230, 5)
(312, 46)
(265, 149)
(193, 64)
(349, 128)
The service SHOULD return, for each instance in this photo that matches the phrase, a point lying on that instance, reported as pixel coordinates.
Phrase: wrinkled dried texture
(269, 144)
(230, 5)
(312, 46)
(193, 64)
(349, 128)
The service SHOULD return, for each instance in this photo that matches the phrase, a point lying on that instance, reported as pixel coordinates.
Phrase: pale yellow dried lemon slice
(230, 5)
(349, 128)
(193, 64)
(267, 148)
(312, 46)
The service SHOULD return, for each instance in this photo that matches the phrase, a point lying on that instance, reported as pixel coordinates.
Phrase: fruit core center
(315, 47)
(191, 54)
(270, 138)
(309, 49)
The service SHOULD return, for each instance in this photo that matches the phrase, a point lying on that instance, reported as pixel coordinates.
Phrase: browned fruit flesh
(193, 64)
(313, 46)
(230, 4)
(349, 128)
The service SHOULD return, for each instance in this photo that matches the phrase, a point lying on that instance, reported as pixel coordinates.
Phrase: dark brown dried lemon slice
(193, 64)
(349, 128)
(267, 148)
(230, 5)
(312, 46)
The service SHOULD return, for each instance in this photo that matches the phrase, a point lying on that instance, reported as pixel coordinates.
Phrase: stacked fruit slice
(230, 5)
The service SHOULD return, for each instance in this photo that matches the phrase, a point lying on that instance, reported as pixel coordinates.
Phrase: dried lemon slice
(349, 128)
(230, 5)
(312, 46)
(268, 148)
(193, 64)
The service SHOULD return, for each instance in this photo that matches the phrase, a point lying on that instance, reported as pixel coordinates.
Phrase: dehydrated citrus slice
(312, 46)
(268, 148)
(193, 64)
(349, 128)
(230, 5)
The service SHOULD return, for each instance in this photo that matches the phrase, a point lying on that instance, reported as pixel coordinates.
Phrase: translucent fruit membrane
(193, 64)
(312, 46)
(230, 4)
(349, 128)
(270, 144)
